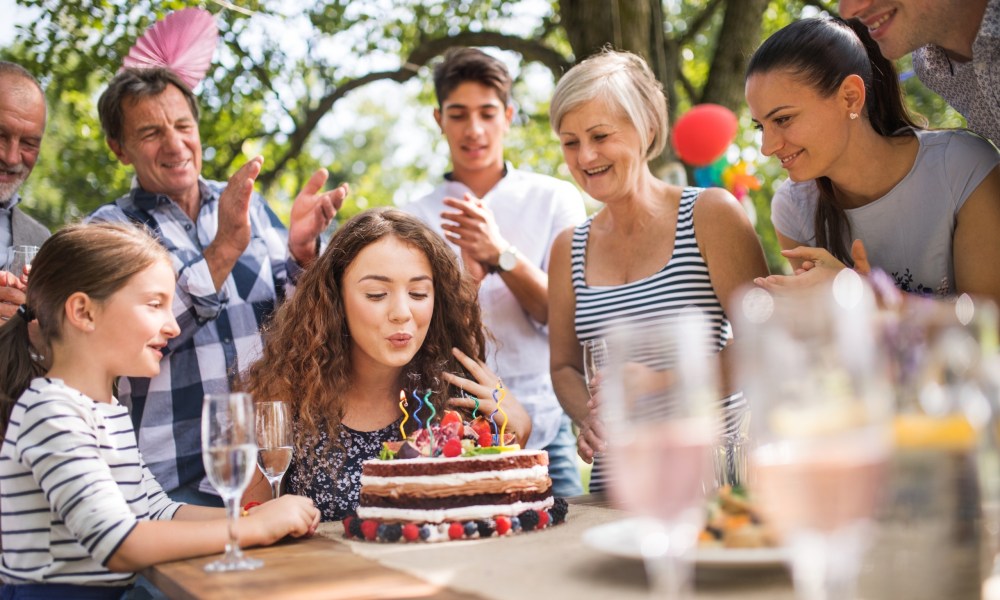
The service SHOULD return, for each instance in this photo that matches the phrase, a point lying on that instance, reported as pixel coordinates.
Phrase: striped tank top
(681, 284)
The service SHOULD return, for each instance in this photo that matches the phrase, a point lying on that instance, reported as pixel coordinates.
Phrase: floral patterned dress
(335, 484)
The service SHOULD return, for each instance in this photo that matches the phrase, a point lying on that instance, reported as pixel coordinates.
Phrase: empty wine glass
(813, 370)
(20, 261)
(660, 394)
(595, 358)
(274, 441)
(228, 450)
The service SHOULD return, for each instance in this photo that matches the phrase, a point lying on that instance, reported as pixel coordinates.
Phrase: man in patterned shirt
(955, 45)
(234, 260)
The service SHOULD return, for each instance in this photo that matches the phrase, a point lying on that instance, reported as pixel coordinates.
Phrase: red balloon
(703, 133)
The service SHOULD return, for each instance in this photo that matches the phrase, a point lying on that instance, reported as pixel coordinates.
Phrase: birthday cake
(453, 482)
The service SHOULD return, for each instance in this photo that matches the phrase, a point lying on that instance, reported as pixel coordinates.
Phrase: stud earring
(854, 116)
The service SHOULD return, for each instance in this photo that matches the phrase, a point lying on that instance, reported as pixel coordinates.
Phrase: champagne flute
(595, 358)
(659, 400)
(274, 441)
(228, 451)
(20, 261)
(813, 370)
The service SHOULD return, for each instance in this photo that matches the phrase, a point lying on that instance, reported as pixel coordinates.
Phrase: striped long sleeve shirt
(72, 487)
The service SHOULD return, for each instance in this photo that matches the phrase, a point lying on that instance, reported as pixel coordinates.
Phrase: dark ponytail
(20, 367)
(822, 52)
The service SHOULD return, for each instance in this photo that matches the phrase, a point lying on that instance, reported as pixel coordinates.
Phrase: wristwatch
(508, 259)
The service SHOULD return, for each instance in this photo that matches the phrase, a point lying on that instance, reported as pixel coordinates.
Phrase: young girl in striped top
(80, 511)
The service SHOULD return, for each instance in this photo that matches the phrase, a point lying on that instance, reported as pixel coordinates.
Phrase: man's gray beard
(7, 190)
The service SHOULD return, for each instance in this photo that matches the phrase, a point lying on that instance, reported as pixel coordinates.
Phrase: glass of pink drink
(812, 370)
(659, 401)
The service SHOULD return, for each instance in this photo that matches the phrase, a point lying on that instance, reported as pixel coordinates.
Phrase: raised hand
(12, 291)
(472, 228)
(233, 235)
(312, 213)
(518, 421)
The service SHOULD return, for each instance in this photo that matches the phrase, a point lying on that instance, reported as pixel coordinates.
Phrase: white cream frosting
(538, 472)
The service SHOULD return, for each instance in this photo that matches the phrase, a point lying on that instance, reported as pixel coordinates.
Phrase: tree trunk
(592, 24)
(738, 38)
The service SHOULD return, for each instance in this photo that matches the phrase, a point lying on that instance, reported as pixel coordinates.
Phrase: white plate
(621, 538)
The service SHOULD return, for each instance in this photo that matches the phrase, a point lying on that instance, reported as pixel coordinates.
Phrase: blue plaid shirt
(220, 330)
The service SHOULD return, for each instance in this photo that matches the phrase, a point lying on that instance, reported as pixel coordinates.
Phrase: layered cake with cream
(434, 490)
(453, 485)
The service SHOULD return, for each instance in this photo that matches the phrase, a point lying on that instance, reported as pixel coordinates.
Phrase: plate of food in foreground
(734, 536)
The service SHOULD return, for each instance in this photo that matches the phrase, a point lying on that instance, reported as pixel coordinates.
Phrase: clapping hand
(474, 230)
(312, 213)
(233, 235)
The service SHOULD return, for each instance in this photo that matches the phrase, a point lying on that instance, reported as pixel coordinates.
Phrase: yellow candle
(502, 395)
(406, 415)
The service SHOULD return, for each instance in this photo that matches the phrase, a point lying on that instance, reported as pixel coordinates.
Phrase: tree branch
(699, 22)
(421, 55)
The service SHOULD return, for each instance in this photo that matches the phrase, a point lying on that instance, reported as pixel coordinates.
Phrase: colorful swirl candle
(430, 430)
(496, 437)
(503, 394)
(406, 415)
(475, 411)
(420, 404)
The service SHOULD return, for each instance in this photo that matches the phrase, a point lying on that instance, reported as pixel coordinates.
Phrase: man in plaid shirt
(234, 261)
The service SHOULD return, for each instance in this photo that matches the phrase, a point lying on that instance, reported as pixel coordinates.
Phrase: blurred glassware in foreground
(660, 395)
(944, 475)
(812, 370)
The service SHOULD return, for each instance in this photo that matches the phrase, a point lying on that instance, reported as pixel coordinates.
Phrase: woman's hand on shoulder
(288, 515)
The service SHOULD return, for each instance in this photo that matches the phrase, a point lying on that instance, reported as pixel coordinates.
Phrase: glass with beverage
(659, 400)
(229, 451)
(274, 441)
(812, 368)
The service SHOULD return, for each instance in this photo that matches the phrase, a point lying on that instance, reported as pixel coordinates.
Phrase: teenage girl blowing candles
(81, 512)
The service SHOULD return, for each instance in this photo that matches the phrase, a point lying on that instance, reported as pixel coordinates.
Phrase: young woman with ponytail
(866, 184)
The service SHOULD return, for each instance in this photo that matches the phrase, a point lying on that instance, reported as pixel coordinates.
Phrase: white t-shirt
(530, 211)
(73, 487)
(908, 233)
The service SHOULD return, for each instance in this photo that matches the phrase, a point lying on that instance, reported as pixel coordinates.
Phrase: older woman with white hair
(652, 250)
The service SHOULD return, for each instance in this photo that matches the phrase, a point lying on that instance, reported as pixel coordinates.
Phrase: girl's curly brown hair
(307, 348)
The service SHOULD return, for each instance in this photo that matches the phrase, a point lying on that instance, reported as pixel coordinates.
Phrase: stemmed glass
(812, 368)
(228, 451)
(659, 396)
(274, 441)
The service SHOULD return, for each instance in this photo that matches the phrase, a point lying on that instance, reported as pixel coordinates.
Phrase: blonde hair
(625, 82)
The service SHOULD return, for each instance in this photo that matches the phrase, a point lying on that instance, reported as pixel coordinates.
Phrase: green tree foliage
(344, 84)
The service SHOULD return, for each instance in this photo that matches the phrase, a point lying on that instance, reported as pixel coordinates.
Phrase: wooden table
(551, 564)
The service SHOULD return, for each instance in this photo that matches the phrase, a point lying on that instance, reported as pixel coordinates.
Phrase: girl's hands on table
(288, 515)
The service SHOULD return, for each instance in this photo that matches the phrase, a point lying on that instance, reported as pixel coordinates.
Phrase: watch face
(508, 259)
